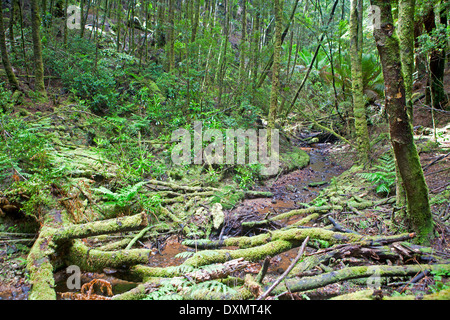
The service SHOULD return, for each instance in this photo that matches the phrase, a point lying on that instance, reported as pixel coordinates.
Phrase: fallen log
(369, 295)
(318, 281)
(54, 233)
(220, 271)
(296, 235)
(95, 260)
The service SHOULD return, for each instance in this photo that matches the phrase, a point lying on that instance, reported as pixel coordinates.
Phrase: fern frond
(183, 255)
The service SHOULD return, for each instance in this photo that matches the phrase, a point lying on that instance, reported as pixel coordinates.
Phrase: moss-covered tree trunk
(39, 86)
(406, 41)
(359, 108)
(273, 109)
(405, 151)
(5, 59)
(171, 38)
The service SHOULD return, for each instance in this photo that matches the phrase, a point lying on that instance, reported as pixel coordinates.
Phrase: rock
(217, 215)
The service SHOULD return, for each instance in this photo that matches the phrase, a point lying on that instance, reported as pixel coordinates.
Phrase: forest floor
(331, 177)
(330, 168)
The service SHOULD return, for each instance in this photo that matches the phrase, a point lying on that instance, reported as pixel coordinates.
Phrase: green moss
(294, 159)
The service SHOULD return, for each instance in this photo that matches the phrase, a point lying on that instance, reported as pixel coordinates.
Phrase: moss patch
(293, 159)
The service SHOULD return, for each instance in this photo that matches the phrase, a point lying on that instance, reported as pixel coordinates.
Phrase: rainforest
(224, 150)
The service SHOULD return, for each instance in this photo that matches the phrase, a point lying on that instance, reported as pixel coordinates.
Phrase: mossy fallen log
(95, 260)
(315, 211)
(369, 295)
(109, 226)
(314, 282)
(56, 233)
(295, 235)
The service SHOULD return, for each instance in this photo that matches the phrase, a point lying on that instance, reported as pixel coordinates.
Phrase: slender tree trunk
(39, 85)
(273, 109)
(195, 20)
(435, 93)
(243, 53)
(11, 25)
(256, 43)
(66, 4)
(171, 37)
(5, 59)
(160, 39)
(119, 22)
(282, 37)
(405, 151)
(406, 44)
(359, 108)
(406, 41)
(23, 40)
(223, 62)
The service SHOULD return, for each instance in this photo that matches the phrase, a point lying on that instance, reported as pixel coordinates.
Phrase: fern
(385, 177)
(180, 269)
(123, 197)
(211, 287)
(184, 255)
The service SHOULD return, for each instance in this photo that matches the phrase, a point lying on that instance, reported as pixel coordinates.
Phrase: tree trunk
(39, 85)
(5, 59)
(171, 38)
(273, 109)
(359, 108)
(406, 38)
(405, 151)
(160, 38)
(195, 20)
(435, 91)
(223, 62)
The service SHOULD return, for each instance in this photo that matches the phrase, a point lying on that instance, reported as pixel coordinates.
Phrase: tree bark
(273, 109)
(314, 282)
(12, 80)
(39, 85)
(171, 38)
(406, 40)
(359, 108)
(405, 151)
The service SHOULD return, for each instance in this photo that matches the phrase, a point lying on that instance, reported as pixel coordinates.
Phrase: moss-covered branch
(314, 282)
(96, 260)
(109, 226)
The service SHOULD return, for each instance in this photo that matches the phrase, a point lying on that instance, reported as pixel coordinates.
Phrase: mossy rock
(293, 159)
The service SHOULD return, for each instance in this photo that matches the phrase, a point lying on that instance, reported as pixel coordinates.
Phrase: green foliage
(123, 197)
(439, 282)
(435, 40)
(246, 175)
(24, 150)
(170, 288)
(385, 177)
(5, 98)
